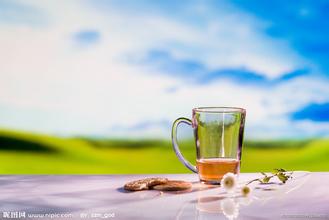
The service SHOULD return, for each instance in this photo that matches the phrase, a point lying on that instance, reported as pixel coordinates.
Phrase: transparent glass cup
(218, 134)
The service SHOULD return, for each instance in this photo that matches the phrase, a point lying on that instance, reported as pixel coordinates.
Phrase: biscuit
(144, 184)
(173, 185)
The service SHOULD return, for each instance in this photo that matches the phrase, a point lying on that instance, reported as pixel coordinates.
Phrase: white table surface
(101, 197)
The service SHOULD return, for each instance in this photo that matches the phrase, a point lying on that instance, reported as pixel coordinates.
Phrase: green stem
(270, 177)
(259, 180)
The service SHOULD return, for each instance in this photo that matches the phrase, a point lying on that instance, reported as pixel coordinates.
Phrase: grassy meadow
(28, 153)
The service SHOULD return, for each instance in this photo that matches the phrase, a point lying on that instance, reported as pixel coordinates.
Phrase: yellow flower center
(228, 182)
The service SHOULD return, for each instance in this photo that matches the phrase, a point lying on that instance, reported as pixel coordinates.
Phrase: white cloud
(91, 89)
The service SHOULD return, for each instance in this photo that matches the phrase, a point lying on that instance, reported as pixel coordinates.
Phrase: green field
(28, 153)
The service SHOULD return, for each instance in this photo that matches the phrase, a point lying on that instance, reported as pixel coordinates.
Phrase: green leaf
(279, 170)
(263, 173)
(266, 179)
(282, 177)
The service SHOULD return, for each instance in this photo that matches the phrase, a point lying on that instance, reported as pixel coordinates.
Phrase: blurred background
(93, 86)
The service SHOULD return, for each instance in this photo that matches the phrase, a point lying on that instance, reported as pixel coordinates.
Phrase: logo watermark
(27, 215)
(305, 216)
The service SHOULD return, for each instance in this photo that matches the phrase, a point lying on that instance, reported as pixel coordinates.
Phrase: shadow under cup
(218, 134)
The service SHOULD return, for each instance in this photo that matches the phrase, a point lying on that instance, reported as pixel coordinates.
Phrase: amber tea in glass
(218, 134)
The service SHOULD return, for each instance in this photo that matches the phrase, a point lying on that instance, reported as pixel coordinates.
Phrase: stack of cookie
(162, 184)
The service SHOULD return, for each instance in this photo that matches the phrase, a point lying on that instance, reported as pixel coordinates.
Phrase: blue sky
(127, 68)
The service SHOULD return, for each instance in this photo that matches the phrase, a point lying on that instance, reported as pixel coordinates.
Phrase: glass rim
(219, 109)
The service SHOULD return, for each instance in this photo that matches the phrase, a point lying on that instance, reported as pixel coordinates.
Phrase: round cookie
(173, 185)
(144, 184)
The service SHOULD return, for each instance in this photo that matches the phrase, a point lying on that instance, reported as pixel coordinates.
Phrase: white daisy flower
(230, 208)
(246, 190)
(229, 182)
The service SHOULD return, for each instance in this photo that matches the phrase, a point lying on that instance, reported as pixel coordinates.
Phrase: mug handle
(175, 144)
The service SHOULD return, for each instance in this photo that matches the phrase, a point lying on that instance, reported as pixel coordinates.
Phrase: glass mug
(218, 134)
